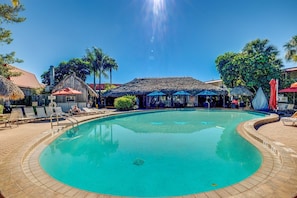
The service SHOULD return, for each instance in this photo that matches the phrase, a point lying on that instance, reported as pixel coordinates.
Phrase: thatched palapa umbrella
(8, 90)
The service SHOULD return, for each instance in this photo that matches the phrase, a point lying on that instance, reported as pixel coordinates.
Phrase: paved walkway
(280, 133)
(21, 176)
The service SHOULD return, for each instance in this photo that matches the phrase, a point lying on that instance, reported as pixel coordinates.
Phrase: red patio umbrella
(272, 100)
(66, 91)
(291, 89)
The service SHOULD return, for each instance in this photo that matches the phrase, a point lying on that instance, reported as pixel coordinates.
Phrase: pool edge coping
(259, 184)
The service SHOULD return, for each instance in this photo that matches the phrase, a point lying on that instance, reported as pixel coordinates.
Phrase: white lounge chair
(76, 111)
(59, 111)
(290, 121)
(290, 108)
(49, 111)
(41, 113)
(88, 111)
(29, 113)
(21, 116)
(92, 111)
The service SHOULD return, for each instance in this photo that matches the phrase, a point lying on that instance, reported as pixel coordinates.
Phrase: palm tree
(102, 71)
(101, 60)
(96, 59)
(91, 59)
(260, 46)
(99, 63)
(111, 65)
(291, 48)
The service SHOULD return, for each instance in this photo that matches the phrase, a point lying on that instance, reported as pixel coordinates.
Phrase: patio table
(4, 118)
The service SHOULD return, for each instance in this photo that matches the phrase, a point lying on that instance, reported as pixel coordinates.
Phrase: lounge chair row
(84, 111)
(28, 114)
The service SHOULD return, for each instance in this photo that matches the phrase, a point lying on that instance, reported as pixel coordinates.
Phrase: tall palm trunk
(94, 99)
(94, 80)
(99, 86)
(110, 72)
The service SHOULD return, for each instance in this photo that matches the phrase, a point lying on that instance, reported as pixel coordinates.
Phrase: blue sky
(148, 38)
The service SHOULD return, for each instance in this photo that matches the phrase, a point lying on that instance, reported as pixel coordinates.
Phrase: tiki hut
(141, 87)
(9, 90)
(74, 82)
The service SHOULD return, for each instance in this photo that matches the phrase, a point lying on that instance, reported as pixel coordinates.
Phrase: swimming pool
(163, 153)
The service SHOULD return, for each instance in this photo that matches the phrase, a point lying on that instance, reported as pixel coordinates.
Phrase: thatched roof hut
(9, 90)
(144, 86)
(78, 84)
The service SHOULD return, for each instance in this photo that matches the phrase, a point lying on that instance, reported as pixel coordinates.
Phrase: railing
(55, 117)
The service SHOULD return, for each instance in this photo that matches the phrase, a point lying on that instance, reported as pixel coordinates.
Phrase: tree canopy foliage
(75, 65)
(8, 14)
(94, 62)
(291, 49)
(254, 67)
(100, 63)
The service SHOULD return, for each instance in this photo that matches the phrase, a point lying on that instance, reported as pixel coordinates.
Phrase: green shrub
(133, 98)
(1, 108)
(124, 103)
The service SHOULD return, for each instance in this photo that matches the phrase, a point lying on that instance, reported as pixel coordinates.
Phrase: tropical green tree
(291, 49)
(227, 69)
(254, 67)
(75, 65)
(8, 14)
(102, 72)
(91, 59)
(98, 62)
(79, 67)
(109, 86)
(110, 65)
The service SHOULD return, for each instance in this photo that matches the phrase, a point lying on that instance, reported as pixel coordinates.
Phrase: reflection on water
(92, 143)
(202, 149)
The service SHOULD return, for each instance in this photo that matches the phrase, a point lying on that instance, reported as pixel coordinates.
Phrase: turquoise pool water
(167, 153)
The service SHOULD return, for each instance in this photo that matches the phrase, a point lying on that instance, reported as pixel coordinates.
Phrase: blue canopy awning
(181, 93)
(156, 93)
(206, 93)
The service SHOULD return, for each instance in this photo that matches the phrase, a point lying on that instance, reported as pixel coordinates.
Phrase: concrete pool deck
(21, 175)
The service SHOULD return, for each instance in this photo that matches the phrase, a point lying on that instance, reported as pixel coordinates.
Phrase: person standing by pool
(234, 103)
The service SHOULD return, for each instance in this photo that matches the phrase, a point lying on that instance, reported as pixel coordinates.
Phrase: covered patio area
(176, 92)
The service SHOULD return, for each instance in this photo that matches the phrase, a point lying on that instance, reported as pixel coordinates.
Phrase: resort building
(103, 87)
(26, 81)
(290, 72)
(29, 84)
(80, 98)
(218, 83)
(143, 87)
